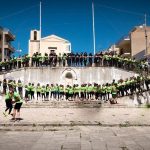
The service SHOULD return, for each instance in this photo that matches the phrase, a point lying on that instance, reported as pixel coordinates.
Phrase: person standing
(4, 86)
(20, 87)
(32, 91)
(38, 91)
(26, 93)
(8, 101)
(47, 91)
(114, 95)
(43, 91)
(19, 61)
(61, 90)
(18, 103)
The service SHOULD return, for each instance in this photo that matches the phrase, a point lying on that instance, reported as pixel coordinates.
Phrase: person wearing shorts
(8, 101)
(18, 103)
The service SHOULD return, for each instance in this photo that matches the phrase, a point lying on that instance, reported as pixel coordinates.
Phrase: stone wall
(58, 75)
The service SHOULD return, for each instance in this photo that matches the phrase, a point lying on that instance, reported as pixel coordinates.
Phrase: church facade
(49, 44)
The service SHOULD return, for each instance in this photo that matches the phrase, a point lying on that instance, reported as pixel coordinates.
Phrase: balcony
(9, 46)
(8, 35)
(123, 41)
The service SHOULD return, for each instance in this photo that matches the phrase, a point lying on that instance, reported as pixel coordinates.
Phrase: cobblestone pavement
(79, 138)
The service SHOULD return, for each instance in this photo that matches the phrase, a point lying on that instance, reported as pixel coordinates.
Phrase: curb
(17, 124)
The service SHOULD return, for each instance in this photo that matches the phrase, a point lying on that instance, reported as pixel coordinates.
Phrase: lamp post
(18, 50)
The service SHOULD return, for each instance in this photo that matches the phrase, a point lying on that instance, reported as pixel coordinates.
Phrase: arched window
(69, 75)
(35, 35)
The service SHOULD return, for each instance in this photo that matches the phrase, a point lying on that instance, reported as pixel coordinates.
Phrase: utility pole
(145, 30)
(93, 18)
(40, 25)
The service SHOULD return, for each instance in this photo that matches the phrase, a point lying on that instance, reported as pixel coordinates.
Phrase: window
(69, 75)
(35, 35)
(53, 48)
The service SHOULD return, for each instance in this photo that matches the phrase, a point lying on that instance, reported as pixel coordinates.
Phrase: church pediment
(54, 38)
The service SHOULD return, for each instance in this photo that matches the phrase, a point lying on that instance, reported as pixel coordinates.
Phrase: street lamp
(18, 50)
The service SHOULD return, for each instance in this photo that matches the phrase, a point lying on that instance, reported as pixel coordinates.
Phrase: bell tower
(34, 42)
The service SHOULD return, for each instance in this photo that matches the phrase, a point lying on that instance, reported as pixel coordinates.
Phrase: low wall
(72, 75)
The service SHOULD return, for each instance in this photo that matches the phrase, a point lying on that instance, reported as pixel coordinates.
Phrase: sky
(72, 20)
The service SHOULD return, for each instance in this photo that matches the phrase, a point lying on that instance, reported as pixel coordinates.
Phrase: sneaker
(11, 114)
(13, 119)
(5, 114)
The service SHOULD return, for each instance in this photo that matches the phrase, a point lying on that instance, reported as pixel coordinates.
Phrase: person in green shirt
(47, 91)
(40, 59)
(59, 59)
(1, 66)
(8, 101)
(56, 88)
(83, 91)
(15, 86)
(32, 90)
(29, 90)
(46, 59)
(108, 90)
(67, 92)
(4, 86)
(17, 100)
(38, 90)
(76, 91)
(61, 92)
(99, 91)
(43, 91)
(52, 89)
(104, 90)
(70, 92)
(64, 57)
(27, 60)
(14, 62)
(26, 93)
(33, 60)
(23, 61)
(20, 87)
(89, 90)
(95, 88)
(114, 94)
(19, 61)
(37, 59)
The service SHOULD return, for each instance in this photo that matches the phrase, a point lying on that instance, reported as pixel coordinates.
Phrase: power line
(122, 10)
(18, 12)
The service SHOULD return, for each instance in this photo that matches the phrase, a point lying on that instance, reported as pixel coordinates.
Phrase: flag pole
(40, 26)
(93, 18)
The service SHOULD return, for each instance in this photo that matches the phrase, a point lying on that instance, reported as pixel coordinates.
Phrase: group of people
(74, 60)
(104, 92)
(16, 92)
